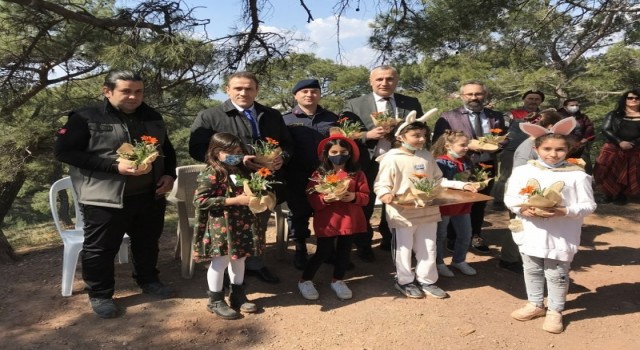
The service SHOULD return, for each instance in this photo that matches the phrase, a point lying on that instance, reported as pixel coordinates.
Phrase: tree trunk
(8, 192)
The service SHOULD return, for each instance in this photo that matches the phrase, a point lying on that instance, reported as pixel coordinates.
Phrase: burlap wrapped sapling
(140, 155)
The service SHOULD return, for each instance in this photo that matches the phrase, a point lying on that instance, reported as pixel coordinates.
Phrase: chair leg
(69, 263)
(281, 239)
(186, 260)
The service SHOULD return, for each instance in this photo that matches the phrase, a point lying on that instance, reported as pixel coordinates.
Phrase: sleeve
(583, 191)
(362, 190)
(385, 180)
(518, 180)
(170, 160)
(286, 140)
(607, 129)
(456, 185)
(71, 143)
(208, 195)
(522, 154)
(201, 133)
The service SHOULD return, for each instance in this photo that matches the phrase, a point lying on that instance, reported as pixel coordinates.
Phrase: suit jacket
(364, 105)
(360, 108)
(458, 120)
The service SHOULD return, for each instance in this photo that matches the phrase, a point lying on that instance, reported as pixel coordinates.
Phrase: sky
(287, 15)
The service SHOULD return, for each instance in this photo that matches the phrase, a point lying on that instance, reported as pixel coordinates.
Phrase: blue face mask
(409, 147)
(339, 159)
(233, 159)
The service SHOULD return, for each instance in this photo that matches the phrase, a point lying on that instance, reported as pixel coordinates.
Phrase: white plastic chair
(73, 238)
(182, 196)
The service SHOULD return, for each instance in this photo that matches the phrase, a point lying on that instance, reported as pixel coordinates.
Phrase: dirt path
(602, 310)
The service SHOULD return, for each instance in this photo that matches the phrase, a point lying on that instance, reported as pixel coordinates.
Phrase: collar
(379, 98)
(299, 112)
(252, 108)
(466, 110)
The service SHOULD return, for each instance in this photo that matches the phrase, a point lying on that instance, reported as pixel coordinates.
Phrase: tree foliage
(338, 82)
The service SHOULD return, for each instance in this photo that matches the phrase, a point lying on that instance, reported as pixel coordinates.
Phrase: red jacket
(340, 218)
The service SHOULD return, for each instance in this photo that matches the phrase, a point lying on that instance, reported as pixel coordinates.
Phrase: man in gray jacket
(116, 198)
(383, 80)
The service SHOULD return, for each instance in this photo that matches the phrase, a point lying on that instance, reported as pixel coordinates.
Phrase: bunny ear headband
(563, 127)
(411, 118)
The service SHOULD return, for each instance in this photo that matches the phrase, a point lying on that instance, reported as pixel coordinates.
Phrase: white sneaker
(308, 290)
(444, 271)
(342, 291)
(465, 268)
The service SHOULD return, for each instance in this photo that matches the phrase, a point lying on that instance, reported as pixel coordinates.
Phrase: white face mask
(453, 154)
(573, 109)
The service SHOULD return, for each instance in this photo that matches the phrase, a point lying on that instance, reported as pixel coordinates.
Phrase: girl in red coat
(336, 217)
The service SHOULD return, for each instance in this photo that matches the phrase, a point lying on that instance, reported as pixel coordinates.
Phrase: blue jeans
(462, 226)
(554, 272)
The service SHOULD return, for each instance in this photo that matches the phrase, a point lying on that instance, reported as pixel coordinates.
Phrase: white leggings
(215, 274)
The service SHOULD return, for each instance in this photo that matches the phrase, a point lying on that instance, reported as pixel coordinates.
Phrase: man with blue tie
(242, 116)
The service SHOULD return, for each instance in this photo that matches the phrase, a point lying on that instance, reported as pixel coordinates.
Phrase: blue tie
(254, 125)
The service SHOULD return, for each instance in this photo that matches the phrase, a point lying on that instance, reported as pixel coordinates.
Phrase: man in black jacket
(116, 198)
(242, 116)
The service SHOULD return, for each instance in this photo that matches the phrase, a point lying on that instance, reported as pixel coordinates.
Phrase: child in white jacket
(548, 238)
(414, 228)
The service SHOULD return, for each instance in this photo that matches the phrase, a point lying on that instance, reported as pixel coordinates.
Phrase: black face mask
(339, 159)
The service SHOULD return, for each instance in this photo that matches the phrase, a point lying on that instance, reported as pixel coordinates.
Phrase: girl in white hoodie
(548, 239)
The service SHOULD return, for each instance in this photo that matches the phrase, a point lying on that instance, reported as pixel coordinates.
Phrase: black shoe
(511, 266)
(104, 308)
(300, 260)
(477, 244)
(264, 274)
(158, 289)
(366, 254)
(218, 306)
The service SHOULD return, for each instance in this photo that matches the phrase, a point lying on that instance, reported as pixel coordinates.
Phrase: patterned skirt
(617, 171)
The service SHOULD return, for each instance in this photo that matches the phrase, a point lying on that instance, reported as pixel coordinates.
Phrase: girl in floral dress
(225, 225)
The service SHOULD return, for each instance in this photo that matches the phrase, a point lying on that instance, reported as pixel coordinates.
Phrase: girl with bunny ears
(414, 227)
(548, 239)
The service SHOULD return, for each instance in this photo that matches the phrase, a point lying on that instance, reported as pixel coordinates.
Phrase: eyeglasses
(633, 98)
(477, 94)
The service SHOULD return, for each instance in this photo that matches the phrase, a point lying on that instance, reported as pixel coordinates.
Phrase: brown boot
(553, 322)
(218, 306)
(238, 299)
(528, 312)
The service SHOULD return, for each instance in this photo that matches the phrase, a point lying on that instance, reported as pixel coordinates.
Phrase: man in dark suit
(383, 80)
(475, 121)
(242, 116)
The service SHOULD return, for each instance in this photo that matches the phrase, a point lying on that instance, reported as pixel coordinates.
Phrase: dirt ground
(602, 309)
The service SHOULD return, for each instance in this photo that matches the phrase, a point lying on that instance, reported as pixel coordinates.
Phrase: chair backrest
(186, 185)
(63, 185)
